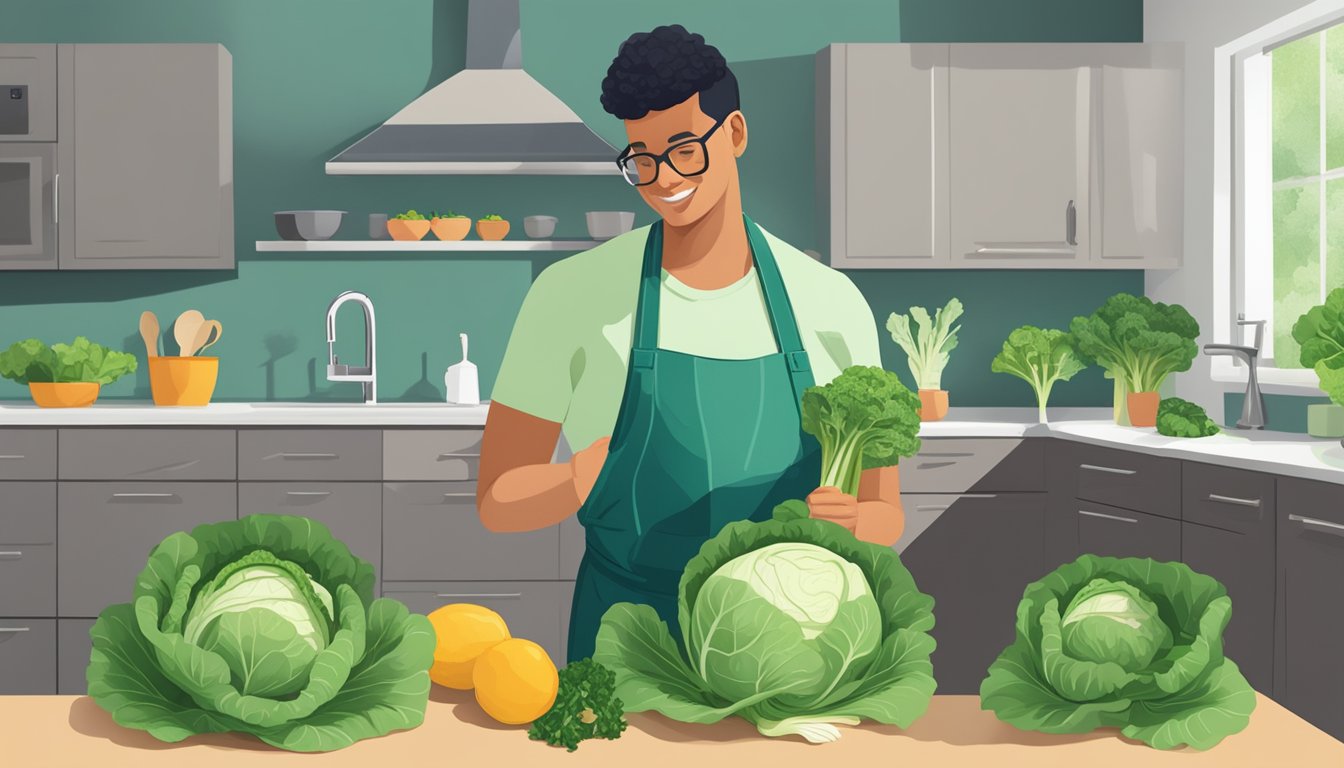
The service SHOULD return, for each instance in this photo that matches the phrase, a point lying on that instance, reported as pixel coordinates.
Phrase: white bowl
(604, 225)
(539, 226)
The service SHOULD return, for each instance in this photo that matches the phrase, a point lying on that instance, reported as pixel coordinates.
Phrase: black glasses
(687, 158)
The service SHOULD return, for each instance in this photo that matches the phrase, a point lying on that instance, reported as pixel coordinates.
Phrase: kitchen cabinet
(145, 156)
(28, 549)
(310, 454)
(27, 454)
(1088, 528)
(1309, 667)
(28, 105)
(28, 189)
(27, 656)
(73, 647)
(148, 453)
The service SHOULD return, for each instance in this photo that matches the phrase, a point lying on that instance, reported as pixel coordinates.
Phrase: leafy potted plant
(1039, 357)
(492, 227)
(927, 352)
(64, 375)
(408, 226)
(449, 225)
(1139, 342)
(1320, 331)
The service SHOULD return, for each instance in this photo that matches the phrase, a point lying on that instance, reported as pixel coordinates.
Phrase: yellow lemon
(463, 632)
(516, 681)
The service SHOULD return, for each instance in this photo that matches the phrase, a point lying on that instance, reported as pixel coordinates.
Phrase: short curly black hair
(662, 68)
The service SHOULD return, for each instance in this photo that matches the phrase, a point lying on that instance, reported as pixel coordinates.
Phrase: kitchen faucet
(1253, 406)
(367, 376)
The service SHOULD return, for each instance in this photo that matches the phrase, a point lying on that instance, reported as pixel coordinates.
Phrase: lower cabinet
(73, 646)
(27, 656)
(1087, 528)
(974, 554)
(353, 511)
(532, 609)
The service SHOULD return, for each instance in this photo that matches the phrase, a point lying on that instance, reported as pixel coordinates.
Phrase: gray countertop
(144, 414)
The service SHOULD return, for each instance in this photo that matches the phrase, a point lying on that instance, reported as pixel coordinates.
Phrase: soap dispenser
(460, 380)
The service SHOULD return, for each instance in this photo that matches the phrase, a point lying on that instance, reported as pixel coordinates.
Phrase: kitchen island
(73, 731)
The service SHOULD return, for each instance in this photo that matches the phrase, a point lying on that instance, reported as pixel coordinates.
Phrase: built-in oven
(29, 178)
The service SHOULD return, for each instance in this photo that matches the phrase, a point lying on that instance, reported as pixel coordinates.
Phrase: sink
(356, 404)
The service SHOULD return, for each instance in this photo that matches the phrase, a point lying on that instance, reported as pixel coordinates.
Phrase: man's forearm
(528, 498)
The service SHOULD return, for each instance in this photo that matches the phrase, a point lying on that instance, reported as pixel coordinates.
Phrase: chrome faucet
(366, 376)
(1253, 406)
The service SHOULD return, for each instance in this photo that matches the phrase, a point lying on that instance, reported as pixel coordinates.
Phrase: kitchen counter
(144, 414)
(73, 731)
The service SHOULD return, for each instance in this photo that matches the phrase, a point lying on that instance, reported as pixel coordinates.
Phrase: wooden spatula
(207, 330)
(149, 331)
(184, 331)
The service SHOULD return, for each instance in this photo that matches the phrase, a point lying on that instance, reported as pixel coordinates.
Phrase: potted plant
(64, 375)
(927, 352)
(492, 227)
(449, 225)
(1039, 357)
(408, 226)
(1320, 332)
(1139, 342)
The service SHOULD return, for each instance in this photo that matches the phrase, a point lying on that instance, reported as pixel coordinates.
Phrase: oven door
(27, 93)
(29, 189)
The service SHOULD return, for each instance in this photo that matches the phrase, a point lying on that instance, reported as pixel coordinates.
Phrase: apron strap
(650, 298)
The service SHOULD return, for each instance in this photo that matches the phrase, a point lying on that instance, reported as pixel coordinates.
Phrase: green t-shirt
(566, 360)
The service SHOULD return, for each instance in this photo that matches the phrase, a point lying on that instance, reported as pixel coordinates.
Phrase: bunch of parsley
(585, 708)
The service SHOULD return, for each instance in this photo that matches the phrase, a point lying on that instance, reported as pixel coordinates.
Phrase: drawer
(27, 454)
(1311, 500)
(27, 579)
(572, 545)
(1231, 499)
(959, 465)
(310, 454)
(1125, 479)
(353, 511)
(73, 646)
(107, 530)
(1089, 528)
(431, 454)
(532, 609)
(27, 656)
(431, 532)
(161, 453)
(27, 513)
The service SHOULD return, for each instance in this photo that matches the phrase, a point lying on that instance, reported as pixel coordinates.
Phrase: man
(674, 357)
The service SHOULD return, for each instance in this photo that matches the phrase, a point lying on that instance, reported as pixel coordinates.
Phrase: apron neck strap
(772, 286)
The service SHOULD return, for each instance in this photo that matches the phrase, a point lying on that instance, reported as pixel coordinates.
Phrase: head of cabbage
(264, 625)
(792, 624)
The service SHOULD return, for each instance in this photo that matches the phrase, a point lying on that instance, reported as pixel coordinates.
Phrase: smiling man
(673, 357)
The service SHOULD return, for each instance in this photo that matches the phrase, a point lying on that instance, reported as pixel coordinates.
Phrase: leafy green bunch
(1138, 341)
(492, 217)
(411, 215)
(928, 348)
(864, 418)
(585, 708)
(1128, 643)
(33, 361)
(1182, 418)
(449, 214)
(1039, 357)
(1320, 331)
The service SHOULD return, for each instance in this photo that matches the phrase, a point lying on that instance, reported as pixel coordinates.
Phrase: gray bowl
(308, 225)
(604, 225)
(539, 226)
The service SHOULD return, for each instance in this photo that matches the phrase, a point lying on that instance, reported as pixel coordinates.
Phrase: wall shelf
(419, 246)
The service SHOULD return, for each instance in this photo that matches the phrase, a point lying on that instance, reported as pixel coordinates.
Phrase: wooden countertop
(71, 732)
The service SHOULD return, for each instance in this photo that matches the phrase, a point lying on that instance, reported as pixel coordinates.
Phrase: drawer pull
(932, 507)
(1104, 516)
(443, 456)
(144, 495)
(12, 630)
(13, 553)
(307, 493)
(460, 495)
(13, 456)
(305, 456)
(1110, 470)
(1234, 500)
(480, 595)
(1332, 528)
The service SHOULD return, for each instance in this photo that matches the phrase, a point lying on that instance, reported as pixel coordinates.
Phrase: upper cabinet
(1000, 156)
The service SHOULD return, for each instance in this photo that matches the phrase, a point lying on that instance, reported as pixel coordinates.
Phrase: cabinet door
(27, 549)
(975, 558)
(353, 511)
(28, 98)
(1087, 528)
(73, 647)
(1309, 673)
(27, 656)
(148, 133)
(882, 124)
(28, 189)
(1021, 137)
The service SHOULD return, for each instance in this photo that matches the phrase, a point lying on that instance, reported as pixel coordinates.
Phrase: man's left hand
(831, 503)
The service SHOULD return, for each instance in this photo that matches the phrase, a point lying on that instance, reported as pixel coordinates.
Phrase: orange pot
(932, 404)
(1143, 408)
(183, 380)
(407, 229)
(451, 229)
(492, 230)
(68, 394)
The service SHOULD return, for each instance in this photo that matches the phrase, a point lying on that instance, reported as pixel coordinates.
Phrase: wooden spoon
(203, 335)
(149, 331)
(184, 331)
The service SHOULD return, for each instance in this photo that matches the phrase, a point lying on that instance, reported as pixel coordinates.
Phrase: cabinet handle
(1103, 516)
(56, 199)
(144, 495)
(1070, 224)
(932, 507)
(302, 456)
(1234, 500)
(12, 456)
(12, 553)
(460, 495)
(1026, 251)
(480, 595)
(1111, 470)
(459, 455)
(1334, 529)
(12, 630)
(307, 493)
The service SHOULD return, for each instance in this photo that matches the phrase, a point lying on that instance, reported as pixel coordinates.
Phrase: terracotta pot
(932, 404)
(492, 230)
(183, 380)
(68, 394)
(451, 229)
(407, 229)
(1143, 408)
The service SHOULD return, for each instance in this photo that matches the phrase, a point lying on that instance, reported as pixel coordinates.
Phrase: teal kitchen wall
(311, 76)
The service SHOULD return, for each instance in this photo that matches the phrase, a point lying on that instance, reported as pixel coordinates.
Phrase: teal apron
(699, 442)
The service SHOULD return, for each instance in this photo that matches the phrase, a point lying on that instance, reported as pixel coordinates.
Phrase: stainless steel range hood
(490, 118)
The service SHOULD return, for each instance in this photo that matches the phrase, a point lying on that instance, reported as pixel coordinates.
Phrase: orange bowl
(67, 394)
(183, 380)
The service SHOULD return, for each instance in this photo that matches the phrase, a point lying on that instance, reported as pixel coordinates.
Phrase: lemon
(516, 681)
(463, 632)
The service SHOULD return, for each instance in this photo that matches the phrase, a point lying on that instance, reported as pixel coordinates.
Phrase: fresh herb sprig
(585, 708)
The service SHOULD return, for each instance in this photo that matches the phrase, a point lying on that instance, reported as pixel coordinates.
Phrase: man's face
(682, 200)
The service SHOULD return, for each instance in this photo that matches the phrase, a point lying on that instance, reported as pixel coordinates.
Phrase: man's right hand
(586, 464)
